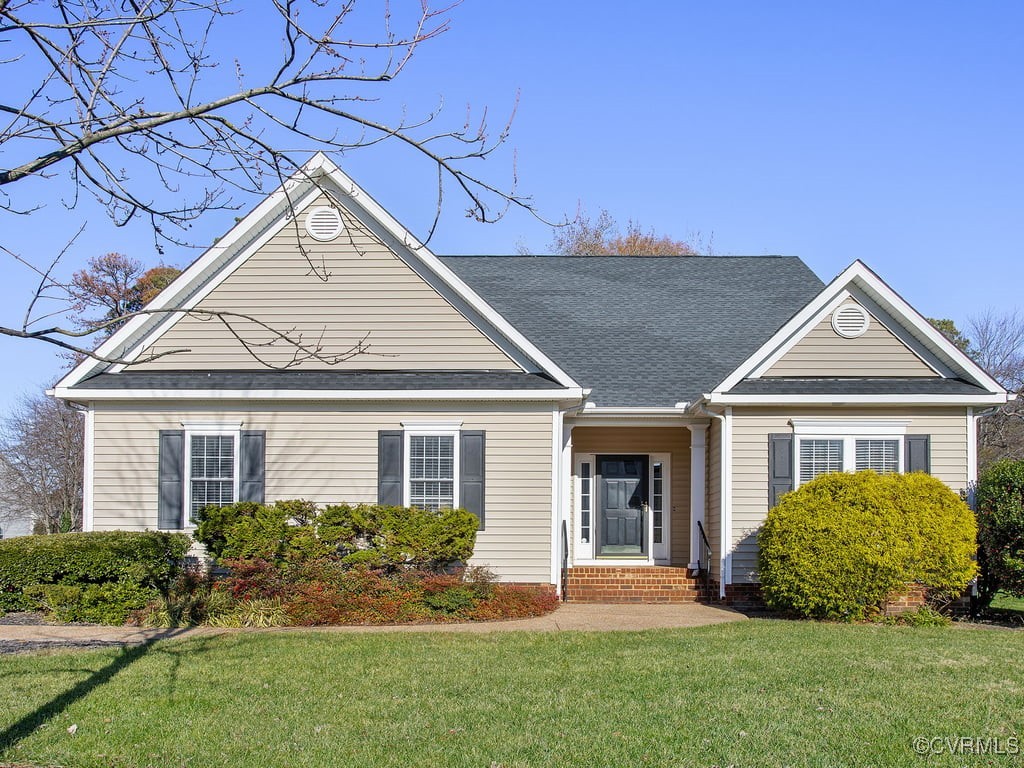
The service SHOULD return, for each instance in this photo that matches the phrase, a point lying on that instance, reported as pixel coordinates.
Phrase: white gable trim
(860, 282)
(267, 219)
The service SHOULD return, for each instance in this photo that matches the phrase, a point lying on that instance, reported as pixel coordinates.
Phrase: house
(628, 420)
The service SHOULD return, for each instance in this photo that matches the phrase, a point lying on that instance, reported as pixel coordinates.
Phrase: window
(848, 446)
(585, 501)
(432, 466)
(883, 456)
(658, 502)
(818, 457)
(212, 471)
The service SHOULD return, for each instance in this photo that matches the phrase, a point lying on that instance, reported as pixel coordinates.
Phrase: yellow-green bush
(839, 546)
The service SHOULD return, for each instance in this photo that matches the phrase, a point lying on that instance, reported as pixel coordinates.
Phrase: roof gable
(505, 347)
(858, 284)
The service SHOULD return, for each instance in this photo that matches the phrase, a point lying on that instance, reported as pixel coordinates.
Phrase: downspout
(559, 498)
(724, 495)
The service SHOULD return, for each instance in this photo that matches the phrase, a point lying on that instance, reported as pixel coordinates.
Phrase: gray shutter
(471, 473)
(390, 445)
(252, 466)
(780, 466)
(171, 481)
(917, 453)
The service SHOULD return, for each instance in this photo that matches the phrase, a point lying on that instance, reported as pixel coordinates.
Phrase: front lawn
(753, 693)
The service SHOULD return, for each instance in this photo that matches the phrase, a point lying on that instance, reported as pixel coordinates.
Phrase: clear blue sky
(889, 132)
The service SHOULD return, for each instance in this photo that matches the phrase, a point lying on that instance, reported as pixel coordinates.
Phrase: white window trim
(431, 429)
(848, 432)
(583, 552)
(201, 428)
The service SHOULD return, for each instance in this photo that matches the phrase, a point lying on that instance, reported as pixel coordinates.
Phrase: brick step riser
(590, 584)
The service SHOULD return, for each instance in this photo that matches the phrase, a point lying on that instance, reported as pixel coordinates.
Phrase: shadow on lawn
(24, 727)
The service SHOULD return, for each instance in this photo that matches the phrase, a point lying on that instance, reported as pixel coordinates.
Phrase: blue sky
(831, 131)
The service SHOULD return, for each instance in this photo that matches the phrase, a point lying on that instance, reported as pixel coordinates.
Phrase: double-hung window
(432, 466)
(212, 467)
(824, 446)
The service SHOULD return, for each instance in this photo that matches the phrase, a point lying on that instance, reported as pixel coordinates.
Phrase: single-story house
(618, 424)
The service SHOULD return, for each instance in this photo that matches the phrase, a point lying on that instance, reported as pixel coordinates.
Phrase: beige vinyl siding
(672, 440)
(713, 511)
(329, 454)
(823, 352)
(751, 427)
(370, 294)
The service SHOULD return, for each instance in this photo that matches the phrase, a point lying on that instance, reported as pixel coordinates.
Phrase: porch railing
(565, 560)
(704, 559)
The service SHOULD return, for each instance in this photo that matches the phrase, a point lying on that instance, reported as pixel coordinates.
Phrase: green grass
(1005, 602)
(753, 693)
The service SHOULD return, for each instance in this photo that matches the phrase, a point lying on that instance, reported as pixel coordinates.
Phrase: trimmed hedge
(149, 560)
(367, 535)
(841, 545)
(999, 498)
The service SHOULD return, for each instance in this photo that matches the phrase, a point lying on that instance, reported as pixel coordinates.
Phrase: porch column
(698, 474)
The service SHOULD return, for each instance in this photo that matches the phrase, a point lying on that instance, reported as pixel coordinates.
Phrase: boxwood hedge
(147, 559)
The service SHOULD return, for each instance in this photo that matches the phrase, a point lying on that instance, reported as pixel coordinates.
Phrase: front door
(624, 507)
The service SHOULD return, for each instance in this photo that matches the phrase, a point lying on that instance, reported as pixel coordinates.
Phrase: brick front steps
(633, 584)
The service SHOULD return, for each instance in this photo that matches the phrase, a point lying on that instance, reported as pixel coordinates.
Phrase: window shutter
(780, 466)
(171, 481)
(390, 445)
(917, 450)
(471, 473)
(252, 466)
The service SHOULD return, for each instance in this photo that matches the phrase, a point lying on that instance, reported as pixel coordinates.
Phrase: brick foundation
(633, 584)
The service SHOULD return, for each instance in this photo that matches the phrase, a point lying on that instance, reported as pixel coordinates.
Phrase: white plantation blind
(883, 456)
(818, 457)
(212, 471)
(431, 471)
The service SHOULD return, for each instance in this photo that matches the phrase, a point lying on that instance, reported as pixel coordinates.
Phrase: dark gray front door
(623, 504)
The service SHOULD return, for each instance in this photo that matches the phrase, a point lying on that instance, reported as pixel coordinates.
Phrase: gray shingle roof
(643, 331)
(882, 386)
(323, 380)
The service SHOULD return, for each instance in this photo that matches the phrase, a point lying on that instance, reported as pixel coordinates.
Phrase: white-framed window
(431, 465)
(824, 446)
(211, 466)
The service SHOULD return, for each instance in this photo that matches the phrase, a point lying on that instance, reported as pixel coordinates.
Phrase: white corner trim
(556, 490)
(89, 470)
(856, 427)
(972, 447)
(726, 494)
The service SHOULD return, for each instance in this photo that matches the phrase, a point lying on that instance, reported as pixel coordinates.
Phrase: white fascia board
(174, 294)
(724, 398)
(860, 275)
(534, 395)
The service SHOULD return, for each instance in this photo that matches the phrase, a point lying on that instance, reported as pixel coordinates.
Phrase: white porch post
(698, 473)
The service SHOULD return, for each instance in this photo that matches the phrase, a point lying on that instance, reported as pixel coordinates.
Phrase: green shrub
(924, 616)
(999, 498)
(110, 603)
(839, 546)
(373, 536)
(148, 559)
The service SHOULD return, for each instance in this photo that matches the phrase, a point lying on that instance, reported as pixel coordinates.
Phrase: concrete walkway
(577, 617)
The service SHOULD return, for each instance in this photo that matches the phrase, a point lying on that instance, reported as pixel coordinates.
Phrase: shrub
(149, 560)
(368, 535)
(110, 603)
(839, 546)
(999, 499)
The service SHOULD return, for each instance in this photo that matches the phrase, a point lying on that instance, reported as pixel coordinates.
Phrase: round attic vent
(324, 223)
(850, 321)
